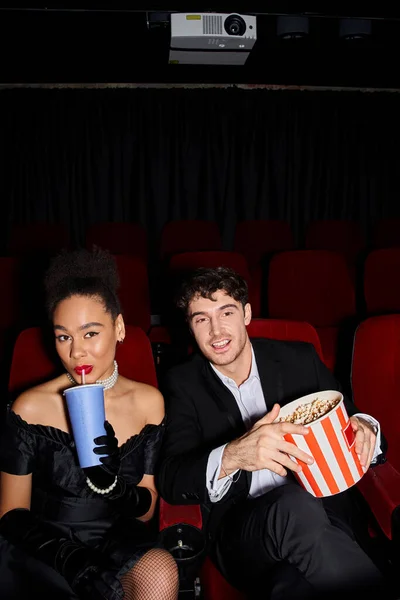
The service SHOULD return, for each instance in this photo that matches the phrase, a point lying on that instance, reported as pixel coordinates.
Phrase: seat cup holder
(185, 542)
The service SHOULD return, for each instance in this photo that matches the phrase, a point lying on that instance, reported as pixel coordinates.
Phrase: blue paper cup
(86, 412)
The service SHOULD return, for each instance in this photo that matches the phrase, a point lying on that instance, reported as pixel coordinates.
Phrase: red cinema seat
(376, 376)
(382, 281)
(313, 286)
(181, 265)
(257, 238)
(119, 238)
(189, 235)
(376, 390)
(336, 235)
(281, 329)
(134, 293)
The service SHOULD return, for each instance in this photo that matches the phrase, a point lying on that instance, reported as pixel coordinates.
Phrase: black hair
(83, 273)
(206, 281)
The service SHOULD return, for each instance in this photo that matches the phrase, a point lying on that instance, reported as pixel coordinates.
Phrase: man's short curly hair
(83, 273)
(204, 282)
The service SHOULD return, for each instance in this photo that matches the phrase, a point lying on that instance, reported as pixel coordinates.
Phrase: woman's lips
(87, 368)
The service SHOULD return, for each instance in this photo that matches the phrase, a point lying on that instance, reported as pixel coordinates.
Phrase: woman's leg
(154, 577)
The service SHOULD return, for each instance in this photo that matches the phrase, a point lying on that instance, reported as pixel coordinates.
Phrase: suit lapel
(270, 373)
(223, 398)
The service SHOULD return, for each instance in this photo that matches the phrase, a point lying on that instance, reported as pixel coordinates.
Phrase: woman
(81, 533)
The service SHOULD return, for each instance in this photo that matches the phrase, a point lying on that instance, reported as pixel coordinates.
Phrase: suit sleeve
(327, 381)
(184, 455)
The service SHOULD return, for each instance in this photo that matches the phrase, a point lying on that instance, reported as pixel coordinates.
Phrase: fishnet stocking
(154, 577)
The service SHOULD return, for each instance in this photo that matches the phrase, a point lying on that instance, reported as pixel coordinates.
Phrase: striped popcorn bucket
(331, 442)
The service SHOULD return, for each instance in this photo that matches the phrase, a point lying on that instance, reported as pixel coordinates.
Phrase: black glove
(133, 501)
(107, 445)
(77, 563)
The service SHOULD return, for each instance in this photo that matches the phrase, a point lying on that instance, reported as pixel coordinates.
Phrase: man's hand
(264, 447)
(365, 440)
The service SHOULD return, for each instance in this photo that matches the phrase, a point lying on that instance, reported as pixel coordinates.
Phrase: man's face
(219, 327)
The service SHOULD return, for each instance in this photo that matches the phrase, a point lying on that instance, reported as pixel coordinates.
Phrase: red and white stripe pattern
(331, 443)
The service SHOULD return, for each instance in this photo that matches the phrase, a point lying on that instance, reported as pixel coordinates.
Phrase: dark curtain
(78, 156)
(151, 155)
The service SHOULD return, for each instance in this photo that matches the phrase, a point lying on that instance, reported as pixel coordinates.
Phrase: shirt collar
(253, 371)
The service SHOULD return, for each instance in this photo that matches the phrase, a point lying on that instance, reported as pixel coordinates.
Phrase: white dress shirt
(250, 400)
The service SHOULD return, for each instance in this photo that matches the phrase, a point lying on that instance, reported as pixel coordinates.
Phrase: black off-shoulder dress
(60, 496)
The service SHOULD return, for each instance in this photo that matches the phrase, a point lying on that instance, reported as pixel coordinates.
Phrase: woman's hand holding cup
(106, 446)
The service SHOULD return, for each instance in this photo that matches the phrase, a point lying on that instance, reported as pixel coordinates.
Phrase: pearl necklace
(106, 383)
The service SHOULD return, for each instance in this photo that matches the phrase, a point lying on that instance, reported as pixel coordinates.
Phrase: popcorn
(331, 442)
(307, 413)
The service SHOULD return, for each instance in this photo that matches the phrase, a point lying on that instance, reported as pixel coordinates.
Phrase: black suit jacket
(202, 414)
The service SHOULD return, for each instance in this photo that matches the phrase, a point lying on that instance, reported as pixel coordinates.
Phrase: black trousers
(287, 544)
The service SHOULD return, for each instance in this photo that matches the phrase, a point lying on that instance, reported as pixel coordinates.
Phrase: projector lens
(235, 25)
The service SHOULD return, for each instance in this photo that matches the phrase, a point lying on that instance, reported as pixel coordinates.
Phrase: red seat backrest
(34, 358)
(382, 281)
(134, 293)
(182, 264)
(189, 235)
(376, 376)
(310, 285)
(336, 235)
(282, 329)
(135, 357)
(189, 261)
(256, 238)
(119, 238)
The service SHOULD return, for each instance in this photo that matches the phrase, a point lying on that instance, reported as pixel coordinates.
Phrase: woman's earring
(121, 341)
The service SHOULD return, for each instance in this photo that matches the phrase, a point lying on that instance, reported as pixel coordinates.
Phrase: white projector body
(211, 38)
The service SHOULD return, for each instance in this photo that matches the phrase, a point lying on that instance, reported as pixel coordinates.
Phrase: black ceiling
(99, 43)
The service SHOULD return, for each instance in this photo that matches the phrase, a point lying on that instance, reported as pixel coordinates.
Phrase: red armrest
(172, 514)
(380, 487)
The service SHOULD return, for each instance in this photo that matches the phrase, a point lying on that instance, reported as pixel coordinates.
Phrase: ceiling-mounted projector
(211, 38)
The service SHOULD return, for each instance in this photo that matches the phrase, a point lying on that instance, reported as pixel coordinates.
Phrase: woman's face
(86, 337)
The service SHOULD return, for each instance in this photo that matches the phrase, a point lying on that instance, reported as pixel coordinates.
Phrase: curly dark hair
(83, 273)
(206, 281)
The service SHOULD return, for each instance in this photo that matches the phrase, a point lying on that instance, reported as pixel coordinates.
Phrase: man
(223, 450)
